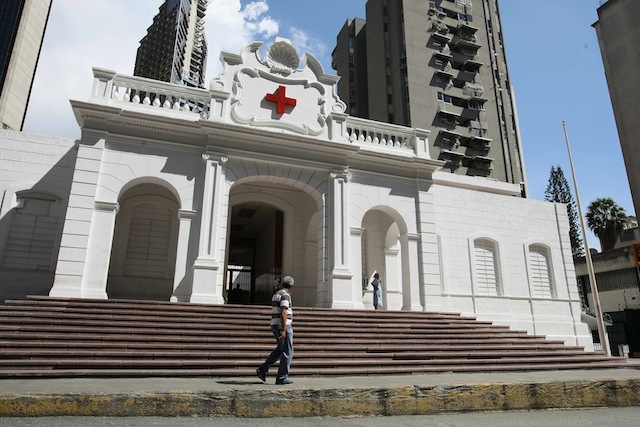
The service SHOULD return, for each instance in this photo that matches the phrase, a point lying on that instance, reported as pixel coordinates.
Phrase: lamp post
(602, 331)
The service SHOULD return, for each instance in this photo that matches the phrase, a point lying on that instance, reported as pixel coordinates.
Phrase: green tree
(558, 191)
(607, 220)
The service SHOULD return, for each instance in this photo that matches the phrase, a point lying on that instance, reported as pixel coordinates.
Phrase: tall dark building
(175, 49)
(438, 65)
(618, 33)
(22, 27)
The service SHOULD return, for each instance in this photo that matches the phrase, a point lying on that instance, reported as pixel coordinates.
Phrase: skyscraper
(438, 65)
(22, 27)
(175, 49)
(618, 35)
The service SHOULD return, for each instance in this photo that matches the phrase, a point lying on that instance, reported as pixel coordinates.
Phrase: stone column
(410, 272)
(88, 228)
(342, 293)
(430, 279)
(208, 283)
(392, 290)
(355, 248)
(182, 280)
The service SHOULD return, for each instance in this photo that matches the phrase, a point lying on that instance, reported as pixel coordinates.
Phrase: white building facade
(183, 194)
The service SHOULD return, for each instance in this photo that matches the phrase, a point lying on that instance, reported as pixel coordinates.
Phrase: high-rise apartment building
(438, 65)
(175, 49)
(618, 34)
(22, 27)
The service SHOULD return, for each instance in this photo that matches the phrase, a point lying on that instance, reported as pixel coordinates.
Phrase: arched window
(540, 270)
(33, 233)
(487, 272)
(149, 241)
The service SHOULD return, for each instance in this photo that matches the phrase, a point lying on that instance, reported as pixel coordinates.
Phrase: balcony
(449, 114)
(445, 76)
(472, 65)
(442, 37)
(466, 28)
(466, 45)
(434, 10)
(453, 159)
(450, 138)
(443, 56)
(473, 90)
(481, 163)
(478, 143)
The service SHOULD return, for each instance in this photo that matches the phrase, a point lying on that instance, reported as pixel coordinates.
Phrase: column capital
(187, 214)
(343, 174)
(215, 157)
(357, 231)
(106, 206)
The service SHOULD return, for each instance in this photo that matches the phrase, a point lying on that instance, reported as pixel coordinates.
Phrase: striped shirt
(281, 299)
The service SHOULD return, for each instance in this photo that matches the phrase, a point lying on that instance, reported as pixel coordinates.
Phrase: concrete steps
(52, 337)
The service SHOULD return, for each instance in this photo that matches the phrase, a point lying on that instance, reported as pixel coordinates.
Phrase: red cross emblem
(280, 97)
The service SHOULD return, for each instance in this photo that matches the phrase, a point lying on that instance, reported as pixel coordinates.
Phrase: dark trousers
(282, 352)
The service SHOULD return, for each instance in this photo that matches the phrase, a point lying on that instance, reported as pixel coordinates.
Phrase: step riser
(49, 337)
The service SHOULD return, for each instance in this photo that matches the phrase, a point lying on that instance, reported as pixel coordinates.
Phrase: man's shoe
(261, 374)
(284, 381)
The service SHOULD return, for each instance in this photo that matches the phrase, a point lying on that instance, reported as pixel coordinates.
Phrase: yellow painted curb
(415, 400)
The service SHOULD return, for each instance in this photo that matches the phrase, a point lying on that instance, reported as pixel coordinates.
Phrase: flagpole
(602, 331)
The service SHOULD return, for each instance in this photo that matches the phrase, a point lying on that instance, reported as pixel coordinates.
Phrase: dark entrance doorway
(254, 264)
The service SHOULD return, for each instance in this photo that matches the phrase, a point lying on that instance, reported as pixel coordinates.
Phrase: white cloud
(81, 35)
(230, 28)
(305, 43)
(106, 33)
(256, 9)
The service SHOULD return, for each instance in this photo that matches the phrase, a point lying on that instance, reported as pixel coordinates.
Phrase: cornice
(197, 133)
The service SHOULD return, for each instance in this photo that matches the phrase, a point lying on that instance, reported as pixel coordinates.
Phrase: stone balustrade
(138, 93)
(372, 134)
(120, 89)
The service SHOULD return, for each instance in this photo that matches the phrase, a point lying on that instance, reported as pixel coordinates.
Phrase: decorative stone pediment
(280, 90)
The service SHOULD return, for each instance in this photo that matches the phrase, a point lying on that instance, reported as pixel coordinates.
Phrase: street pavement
(312, 397)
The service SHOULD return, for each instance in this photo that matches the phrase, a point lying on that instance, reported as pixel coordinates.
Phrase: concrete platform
(321, 396)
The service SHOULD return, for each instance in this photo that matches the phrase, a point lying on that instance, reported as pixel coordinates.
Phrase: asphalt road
(619, 417)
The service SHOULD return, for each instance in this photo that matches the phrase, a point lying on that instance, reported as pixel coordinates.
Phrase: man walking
(281, 319)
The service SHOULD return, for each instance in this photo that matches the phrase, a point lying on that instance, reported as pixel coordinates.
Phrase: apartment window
(445, 98)
(476, 105)
(465, 17)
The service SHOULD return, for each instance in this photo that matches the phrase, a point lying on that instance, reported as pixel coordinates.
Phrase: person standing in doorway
(377, 291)
(281, 321)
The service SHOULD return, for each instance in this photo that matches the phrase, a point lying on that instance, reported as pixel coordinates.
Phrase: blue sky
(552, 51)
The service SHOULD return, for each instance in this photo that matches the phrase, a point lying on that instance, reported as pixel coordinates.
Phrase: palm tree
(607, 220)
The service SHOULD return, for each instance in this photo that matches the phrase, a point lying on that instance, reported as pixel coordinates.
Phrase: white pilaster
(79, 226)
(410, 272)
(430, 257)
(182, 280)
(207, 285)
(341, 279)
(357, 281)
(391, 282)
(96, 271)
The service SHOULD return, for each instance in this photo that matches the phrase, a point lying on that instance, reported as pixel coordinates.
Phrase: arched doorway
(383, 252)
(145, 239)
(268, 239)
(254, 262)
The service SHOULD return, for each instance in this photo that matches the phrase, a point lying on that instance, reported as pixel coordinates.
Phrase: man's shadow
(240, 382)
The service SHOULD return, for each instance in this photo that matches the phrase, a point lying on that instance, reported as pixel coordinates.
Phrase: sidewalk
(321, 396)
